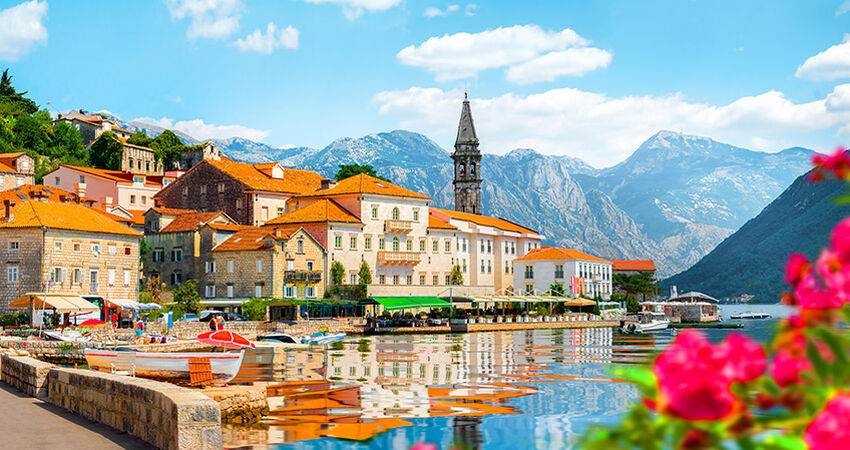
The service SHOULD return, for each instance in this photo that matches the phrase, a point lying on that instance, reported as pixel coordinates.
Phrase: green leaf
(642, 376)
(842, 199)
(784, 442)
(822, 368)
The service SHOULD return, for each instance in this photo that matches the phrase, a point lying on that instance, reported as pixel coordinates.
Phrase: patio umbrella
(224, 338)
(91, 323)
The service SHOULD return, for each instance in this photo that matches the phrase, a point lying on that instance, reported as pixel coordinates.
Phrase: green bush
(255, 308)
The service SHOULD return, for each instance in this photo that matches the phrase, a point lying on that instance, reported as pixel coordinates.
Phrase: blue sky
(585, 79)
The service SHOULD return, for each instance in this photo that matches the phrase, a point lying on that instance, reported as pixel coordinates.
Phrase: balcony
(92, 288)
(398, 226)
(398, 258)
(302, 276)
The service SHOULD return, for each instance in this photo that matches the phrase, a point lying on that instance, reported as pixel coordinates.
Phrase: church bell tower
(467, 160)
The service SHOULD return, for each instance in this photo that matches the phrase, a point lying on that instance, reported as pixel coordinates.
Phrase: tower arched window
(395, 213)
(395, 244)
(462, 169)
(472, 169)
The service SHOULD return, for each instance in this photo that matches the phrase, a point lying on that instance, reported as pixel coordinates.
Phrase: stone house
(16, 169)
(266, 262)
(578, 272)
(138, 159)
(178, 250)
(66, 247)
(91, 126)
(251, 194)
(131, 191)
(193, 155)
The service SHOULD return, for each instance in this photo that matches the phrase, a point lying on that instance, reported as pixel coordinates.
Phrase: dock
(707, 325)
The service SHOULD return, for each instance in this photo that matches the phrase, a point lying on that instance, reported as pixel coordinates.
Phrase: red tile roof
(189, 221)
(64, 216)
(477, 219)
(323, 210)
(639, 265)
(171, 211)
(117, 175)
(557, 254)
(294, 181)
(226, 226)
(38, 192)
(251, 238)
(364, 184)
(434, 222)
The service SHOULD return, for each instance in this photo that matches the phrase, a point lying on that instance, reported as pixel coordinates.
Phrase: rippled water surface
(502, 390)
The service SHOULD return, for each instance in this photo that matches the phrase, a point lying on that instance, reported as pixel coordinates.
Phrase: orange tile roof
(434, 222)
(117, 175)
(189, 221)
(125, 220)
(323, 210)
(226, 226)
(555, 253)
(640, 265)
(171, 211)
(294, 181)
(252, 238)
(64, 216)
(10, 155)
(364, 184)
(477, 219)
(35, 192)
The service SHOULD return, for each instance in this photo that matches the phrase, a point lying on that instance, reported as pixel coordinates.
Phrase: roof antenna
(465, 90)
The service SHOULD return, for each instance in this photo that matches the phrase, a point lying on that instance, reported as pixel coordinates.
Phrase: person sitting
(213, 323)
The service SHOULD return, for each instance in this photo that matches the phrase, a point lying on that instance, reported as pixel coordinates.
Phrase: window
(381, 244)
(144, 200)
(448, 246)
(529, 289)
(448, 280)
(210, 266)
(185, 190)
(395, 214)
(12, 274)
(374, 212)
(77, 276)
(353, 279)
(409, 245)
(464, 265)
(395, 244)
(382, 279)
(338, 241)
(309, 265)
(289, 291)
(176, 277)
(482, 246)
(110, 276)
(127, 250)
(265, 212)
(464, 245)
(416, 215)
(126, 277)
(238, 203)
(367, 243)
(259, 265)
(56, 181)
(19, 181)
(14, 245)
(559, 271)
(112, 249)
(482, 266)
(76, 247)
(203, 189)
(279, 212)
(529, 272)
(300, 245)
(132, 199)
(507, 267)
(422, 245)
(353, 244)
(489, 246)
(435, 280)
(148, 166)
(258, 290)
(435, 246)
(290, 264)
(507, 247)
(210, 290)
(410, 280)
(489, 267)
(95, 248)
(220, 187)
(177, 254)
(158, 255)
(395, 279)
(310, 291)
(422, 280)
(57, 246)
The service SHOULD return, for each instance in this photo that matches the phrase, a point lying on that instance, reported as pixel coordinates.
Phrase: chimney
(328, 183)
(8, 206)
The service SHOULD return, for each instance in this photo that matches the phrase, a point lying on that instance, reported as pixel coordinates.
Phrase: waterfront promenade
(31, 423)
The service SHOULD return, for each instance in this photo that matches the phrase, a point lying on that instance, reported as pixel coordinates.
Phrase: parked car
(189, 317)
(208, 314)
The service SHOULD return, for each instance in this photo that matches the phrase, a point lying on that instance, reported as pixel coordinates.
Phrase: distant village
(243, 231)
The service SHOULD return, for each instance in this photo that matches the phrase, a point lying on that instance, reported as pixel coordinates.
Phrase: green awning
(394, 303)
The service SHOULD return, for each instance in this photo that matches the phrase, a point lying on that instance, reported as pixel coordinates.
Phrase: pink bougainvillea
(831, 428)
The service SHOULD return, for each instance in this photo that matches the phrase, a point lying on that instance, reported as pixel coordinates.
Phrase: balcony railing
(93, 288)
(398, 258)
(302, 276)
(398, 226)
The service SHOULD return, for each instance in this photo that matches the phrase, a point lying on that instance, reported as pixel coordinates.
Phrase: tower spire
(467, 160)
(466, 127)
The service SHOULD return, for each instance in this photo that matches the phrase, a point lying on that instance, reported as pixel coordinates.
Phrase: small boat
(279, 337)
(172, 367)
(323, 338)
(750, 315)
(648, 321)
(67, 336)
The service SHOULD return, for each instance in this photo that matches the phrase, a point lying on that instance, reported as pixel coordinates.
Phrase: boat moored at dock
(172, 367)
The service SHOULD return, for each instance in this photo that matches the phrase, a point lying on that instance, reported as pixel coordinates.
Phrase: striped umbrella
(224, 338)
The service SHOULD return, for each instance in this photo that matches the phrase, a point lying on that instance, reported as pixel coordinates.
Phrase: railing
(93, 288)
(302, 276)
(402, 226)
(400, 258)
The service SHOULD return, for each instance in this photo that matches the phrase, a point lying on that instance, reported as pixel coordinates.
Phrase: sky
(591, 80)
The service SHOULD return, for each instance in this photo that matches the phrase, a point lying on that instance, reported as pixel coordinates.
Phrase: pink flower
(423, 446)
(831, 428)
(789, 362)
(700, 398)
(745, 359)
(840, 240)
(811, 295)
(796, 267)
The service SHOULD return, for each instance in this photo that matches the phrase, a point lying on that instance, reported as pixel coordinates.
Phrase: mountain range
(673, 200)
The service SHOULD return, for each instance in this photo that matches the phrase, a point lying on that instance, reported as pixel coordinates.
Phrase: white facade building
(578, 272)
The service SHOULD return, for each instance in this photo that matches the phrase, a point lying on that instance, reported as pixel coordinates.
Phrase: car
(189, 317)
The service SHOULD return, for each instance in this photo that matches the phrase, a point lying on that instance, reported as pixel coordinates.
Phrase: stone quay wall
(512, 326)
(240, 404)
(250, 329)
(161, 414)
(26, 374)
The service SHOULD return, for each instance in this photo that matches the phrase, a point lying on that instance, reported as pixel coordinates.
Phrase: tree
(364, 276)
(187, 297)
(140, 138)
(349, 170)
(456, 278)
(15, 100)
(168, 148)
(337, 273)
(67, 144)
(107, 152)
(144, 249)
(632, 304)
(557, 289)
(255, 308)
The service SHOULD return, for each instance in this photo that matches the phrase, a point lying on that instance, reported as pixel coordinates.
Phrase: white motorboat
(750, 315)
(169, 366)
(322, 338)
(67, 336)
(648, 321)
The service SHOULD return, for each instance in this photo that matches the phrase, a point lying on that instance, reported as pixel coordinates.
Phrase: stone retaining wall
(474, 327)
(26, 374)
(162, 414)
(250, 329)
(240, 404)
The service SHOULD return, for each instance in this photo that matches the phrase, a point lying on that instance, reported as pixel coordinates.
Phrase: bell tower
(467, 158)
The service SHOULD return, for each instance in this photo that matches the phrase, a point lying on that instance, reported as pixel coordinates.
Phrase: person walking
(138, 328)
(213, 323)
(220, 323)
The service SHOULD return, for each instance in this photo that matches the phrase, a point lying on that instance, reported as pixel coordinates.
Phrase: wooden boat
(172, 367)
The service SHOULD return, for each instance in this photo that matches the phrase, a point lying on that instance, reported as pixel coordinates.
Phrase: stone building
(91, 126)
(193, 155)
(251, 194)
(467, 161)
(16, 169)
(140, 160)
(66, 247)
(265, 262)
(178, 249)
(578, 272)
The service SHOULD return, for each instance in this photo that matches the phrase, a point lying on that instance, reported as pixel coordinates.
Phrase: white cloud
(471, 8)
(572, 61)
(463, 55)
(178, 99)
(839, 98)
(355, 8)
(22, 27)
(211, 19)
(845, 7)
(604, 130)
(437, 12)
(267, 43)
(830, 64)
(200, 130)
